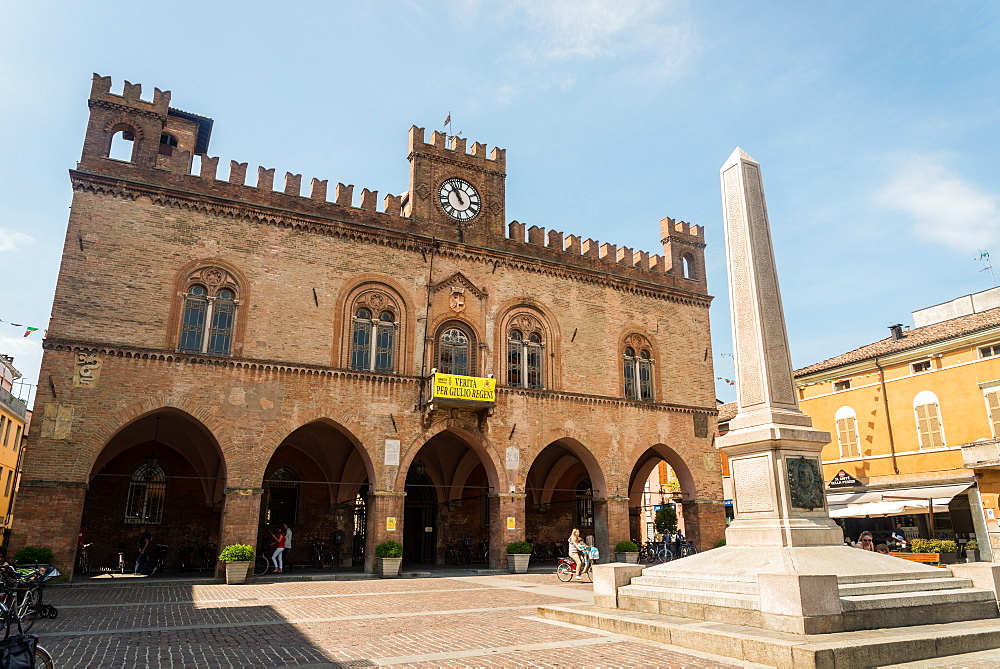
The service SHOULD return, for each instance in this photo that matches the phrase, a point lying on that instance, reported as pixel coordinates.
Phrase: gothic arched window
(376, 319)
(524, 359)
(209, 318)
(637, 369)
(146, 492)
(456, 348)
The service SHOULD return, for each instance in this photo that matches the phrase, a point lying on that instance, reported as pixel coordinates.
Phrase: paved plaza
(450, 620)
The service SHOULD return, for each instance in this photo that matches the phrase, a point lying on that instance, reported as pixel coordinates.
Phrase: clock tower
(456, 188)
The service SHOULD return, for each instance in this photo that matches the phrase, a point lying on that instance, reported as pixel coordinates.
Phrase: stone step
(714, 585)
(930, 598)
(919, 585)
(931, 574)
(799, 651)
(716, 598)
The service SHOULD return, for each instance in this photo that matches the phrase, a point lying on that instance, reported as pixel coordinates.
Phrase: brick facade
(141, 233)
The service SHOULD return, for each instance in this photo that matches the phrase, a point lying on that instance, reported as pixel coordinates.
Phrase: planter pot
(627, 557)
(948, 558)
(972, 556)
(236, 572)
(389, 567)
(518, 562)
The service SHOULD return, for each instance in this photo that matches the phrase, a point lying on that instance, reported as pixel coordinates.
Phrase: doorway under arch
(660, 477)
(315, 481)
(448, 501)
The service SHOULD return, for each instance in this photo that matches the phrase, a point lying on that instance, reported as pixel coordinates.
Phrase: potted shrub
(34, 555)
(627, 551)
(238, 558)
(972, 551)
(518, 556)
(390, 558)
(946, 549)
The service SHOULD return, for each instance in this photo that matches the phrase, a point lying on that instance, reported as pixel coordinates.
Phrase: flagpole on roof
(984, 257)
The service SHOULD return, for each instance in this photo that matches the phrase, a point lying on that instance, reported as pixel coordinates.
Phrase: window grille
(637, 371)
(146, 492)
(584, 504)
(454, 352)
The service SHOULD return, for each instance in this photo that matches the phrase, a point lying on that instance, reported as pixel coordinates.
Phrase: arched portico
(164, 471)
(565, 489)
(451, 480)
(660, 475)
(316, 481)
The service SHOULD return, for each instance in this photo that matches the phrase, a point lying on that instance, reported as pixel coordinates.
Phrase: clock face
(460, 199)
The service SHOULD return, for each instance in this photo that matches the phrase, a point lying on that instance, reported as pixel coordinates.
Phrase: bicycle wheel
(43, 660)
(690, 550)
(565, 572)
(667, 555)
(27, 610)
(451, 556)
(261, 565)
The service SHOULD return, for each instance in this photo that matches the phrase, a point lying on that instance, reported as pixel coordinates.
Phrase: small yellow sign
(511, 523)
(455, 388)
(390, 523)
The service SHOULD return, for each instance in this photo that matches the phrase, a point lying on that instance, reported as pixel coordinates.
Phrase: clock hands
(458, 194)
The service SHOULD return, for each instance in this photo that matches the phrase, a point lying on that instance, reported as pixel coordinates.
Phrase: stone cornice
(122, 351)
(361, 232)
(458, 163)
(124, 109)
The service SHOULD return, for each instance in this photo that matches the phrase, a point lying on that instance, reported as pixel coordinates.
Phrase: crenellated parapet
(170, 151)
(571, 247)
(439, 147)
(684, 248)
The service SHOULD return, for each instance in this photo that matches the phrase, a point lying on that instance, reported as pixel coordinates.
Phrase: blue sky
(875, 125)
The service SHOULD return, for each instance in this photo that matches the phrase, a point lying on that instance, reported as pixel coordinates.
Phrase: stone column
(240, 519)
(611, 524)
(774, 452)
(382, 506)
(49, 513)
(704, 522)
(502, 507)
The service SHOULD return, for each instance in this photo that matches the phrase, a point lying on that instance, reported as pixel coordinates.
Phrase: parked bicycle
(155, 565)
(198, 558)
(83, 559)
(655, 551)
(23, 648)
(262, 564)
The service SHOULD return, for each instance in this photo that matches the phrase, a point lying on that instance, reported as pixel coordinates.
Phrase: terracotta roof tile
(914, 338)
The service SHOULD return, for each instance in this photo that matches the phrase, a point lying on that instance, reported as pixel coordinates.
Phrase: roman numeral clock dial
(460, 199)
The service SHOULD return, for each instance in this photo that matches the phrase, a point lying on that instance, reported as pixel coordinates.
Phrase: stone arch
(342, 319)
(468, 434)
(552, 338)
(188, 274)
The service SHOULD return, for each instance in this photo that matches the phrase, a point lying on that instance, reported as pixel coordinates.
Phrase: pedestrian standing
(279, 541)
(145, 544)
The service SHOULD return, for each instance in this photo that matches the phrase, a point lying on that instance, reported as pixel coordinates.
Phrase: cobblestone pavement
(480, 621)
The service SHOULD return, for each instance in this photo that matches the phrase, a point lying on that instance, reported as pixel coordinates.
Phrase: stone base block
(782, 649)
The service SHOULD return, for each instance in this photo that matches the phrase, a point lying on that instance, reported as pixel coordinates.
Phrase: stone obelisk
(774, 452)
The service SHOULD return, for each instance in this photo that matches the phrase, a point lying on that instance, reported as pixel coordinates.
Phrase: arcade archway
(448, 501)
(166, 472)
(317, 482)
(659, 477)
(565, 489)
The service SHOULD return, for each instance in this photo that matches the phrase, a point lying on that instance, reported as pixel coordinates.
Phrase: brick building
(221, 356)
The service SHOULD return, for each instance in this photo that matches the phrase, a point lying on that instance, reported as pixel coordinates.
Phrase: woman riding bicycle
(576, 548)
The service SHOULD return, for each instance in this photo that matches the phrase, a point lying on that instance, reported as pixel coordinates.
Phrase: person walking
(288, 543)
(279, 543)
(145, 544)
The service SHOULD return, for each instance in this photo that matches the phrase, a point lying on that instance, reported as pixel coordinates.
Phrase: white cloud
(560, 38)
(12, 240)
(944, 207)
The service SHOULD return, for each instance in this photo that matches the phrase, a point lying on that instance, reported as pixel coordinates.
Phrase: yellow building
(904, 413)
(13, 412)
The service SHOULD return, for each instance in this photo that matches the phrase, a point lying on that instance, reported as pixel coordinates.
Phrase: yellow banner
(464, 388)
